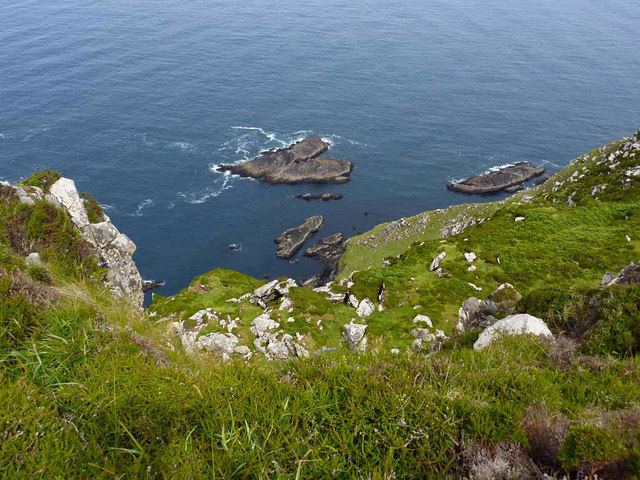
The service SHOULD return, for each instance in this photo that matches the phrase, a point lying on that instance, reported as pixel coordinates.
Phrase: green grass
(42, 179)
(91, 388)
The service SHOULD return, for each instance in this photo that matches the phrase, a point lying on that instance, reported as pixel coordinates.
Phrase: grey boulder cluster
(115, 249)
(268, 338)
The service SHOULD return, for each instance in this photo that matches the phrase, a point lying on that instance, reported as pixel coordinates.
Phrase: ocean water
(138, 101)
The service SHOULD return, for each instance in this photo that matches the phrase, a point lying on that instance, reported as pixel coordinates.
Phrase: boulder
(365, 308)
(498, 180)
(521, 324)
(298, 163)
(353, 335)
(223, 344)
(435, 264)
(423, 319)
(475, 313)
(290, 241)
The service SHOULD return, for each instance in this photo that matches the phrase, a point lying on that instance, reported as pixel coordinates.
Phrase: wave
(200, 197)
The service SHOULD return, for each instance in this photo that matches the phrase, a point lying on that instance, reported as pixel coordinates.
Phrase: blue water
(137, 101)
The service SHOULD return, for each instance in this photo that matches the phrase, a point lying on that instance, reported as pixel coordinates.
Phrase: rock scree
(290, 241)
(499, 180)
(297, 163)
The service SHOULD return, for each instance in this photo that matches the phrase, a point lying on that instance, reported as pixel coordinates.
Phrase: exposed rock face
(498, 180)
(353, 335)
(115, 249)
(628, 276)
(298, 163)
(328, 251)
(292, 239)
(522, 324)
(319, 196)
(435, 263)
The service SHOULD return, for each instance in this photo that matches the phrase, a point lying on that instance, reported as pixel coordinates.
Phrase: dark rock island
(499, 180)
(319, 196)
(328, 251)
(298, 163)
(291, 240)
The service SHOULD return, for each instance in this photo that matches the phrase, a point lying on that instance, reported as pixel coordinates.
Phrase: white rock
(33, 259)
(353, 301)
(475, 287)
(521, 324)
(223, 344)
(65, 192)
(423, 318)
(336, 297)
(435, 264)
(365, 308)
(472, 268)
(285, 304)
(519, 219)
(354, 336)
(262, 324)
(395, 351)
(470, 256)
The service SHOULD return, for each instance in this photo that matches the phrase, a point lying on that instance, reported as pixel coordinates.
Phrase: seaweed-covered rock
(290, 241)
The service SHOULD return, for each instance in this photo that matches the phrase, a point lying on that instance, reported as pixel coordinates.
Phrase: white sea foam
(142, 206)
(200, 197)
(182, 145)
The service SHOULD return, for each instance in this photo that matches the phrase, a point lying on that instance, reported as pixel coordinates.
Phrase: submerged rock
(292, 239)
(522, 324)
(319, 196)
(499, 180)
(298, 163)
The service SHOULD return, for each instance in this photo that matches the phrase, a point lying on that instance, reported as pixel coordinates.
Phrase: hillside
(394, 370)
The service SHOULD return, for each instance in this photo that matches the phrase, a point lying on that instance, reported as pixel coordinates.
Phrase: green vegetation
(42, 179)
(90, 387)
(93, 208)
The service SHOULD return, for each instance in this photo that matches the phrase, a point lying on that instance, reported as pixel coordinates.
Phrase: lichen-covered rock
(628, 276)
(435, 263)
(65, 192)
(423, 319)
(223, 344)
(521, 324)
(263, 324)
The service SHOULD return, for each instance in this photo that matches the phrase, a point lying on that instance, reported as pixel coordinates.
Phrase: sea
(138, 101)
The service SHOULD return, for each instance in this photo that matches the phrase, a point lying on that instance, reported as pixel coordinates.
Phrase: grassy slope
(92, 388)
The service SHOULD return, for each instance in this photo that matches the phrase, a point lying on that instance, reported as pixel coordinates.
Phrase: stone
(319, 196)
(354, 335)
(521, 324)
(470, 256)
(423, 319)
(328, 251)
(435, 263)
(151, 285)
(285, 304)
(290, 241)
(33, 259)
(262, 324)
(519, 219)
(298, 163)
(353, 301)
(223, 344)
(475, 313)
(365, 308)
(65, 192)
(630, 275)
(497, 180)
